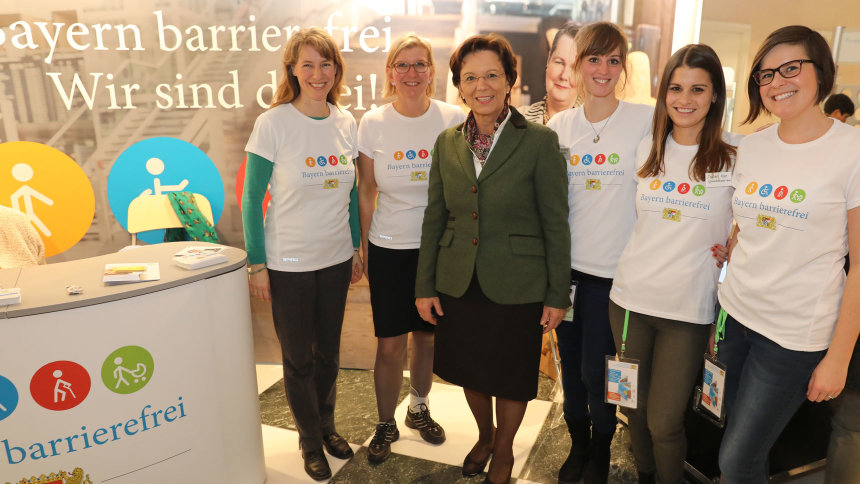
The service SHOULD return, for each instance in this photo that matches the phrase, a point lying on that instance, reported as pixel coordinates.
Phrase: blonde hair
(318, 39)
(407, 41)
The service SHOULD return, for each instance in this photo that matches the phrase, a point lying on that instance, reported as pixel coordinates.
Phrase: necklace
(597, 133)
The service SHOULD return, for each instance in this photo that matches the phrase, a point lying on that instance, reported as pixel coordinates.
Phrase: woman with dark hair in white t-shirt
(395, 143)
(791, 315)
(304, 258)
(665, 288)
(601, 137)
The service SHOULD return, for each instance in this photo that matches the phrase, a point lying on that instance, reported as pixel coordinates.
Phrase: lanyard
(624, 333)
(720, 333)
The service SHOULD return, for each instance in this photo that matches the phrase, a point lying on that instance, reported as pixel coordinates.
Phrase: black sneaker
(428, 428)
(380, 444)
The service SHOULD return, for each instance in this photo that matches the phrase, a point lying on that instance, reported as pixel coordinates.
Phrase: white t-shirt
(601, 186)
(667, 269)
(791, 203)
(402, 149)
(307, 223)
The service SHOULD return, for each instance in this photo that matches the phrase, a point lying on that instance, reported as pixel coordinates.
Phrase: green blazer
(509, 224)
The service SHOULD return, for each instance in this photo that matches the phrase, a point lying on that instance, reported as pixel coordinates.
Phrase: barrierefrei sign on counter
(133, 390)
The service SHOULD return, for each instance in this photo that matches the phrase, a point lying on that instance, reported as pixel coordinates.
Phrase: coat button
(474, 215)
(474, 189)
(475, 241)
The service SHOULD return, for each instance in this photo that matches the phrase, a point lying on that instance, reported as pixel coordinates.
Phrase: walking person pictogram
(24, 173)
(60, 388)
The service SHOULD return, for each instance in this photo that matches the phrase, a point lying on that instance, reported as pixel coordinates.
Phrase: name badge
(622, 382)
(718, 179)
(709, 397)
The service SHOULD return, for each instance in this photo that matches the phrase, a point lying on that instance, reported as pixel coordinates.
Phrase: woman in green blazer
(495, 250)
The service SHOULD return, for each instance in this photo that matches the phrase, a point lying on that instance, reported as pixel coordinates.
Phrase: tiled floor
(540, 446)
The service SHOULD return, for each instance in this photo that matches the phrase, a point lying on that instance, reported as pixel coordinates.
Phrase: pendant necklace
(597, 133)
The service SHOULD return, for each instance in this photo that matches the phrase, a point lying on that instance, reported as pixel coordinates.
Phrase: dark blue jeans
(583, 345)
(765, 385)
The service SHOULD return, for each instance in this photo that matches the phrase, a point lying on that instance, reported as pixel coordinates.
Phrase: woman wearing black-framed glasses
(395, 143)
(792, 318)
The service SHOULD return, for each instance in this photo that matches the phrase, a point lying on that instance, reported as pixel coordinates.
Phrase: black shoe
(380, 445)
(428, 428)
(337, 446)
(471, 467)
(315, 465)
(574, 467)
(597, 469)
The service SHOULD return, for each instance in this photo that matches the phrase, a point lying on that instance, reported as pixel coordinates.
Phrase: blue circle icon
(410, 154)
(668, 186)
(8, 397)
(321, 160)
(587, 159)
(157, 166)
(765, 190)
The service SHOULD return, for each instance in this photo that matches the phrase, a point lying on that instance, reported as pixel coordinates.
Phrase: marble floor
(540, 447)
(541, 444)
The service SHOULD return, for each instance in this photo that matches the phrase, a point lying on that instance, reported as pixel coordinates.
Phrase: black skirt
(488, 347)
(391, 277)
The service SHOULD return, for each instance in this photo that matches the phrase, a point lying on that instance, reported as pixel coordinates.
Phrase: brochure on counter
(197, 257)
(10, 296)
(131, 272)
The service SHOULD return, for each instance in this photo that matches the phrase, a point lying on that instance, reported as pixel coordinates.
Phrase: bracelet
(251, 272)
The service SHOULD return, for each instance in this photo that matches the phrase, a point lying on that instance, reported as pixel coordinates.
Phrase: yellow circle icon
(51, 189)
(655, 184)
(751, 188)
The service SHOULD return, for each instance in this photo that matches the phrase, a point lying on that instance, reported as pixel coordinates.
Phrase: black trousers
(307, 309)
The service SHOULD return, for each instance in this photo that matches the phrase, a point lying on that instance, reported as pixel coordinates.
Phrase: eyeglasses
(790, 69)
(403, 67)
(491, 78)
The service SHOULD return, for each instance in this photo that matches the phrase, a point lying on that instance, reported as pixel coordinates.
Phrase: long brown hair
(288, 89)
(713, 154)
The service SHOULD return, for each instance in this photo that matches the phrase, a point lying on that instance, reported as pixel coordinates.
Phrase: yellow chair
(153, 212)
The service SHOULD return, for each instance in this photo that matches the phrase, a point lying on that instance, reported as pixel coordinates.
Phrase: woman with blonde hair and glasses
(305, 256)
(395, 142)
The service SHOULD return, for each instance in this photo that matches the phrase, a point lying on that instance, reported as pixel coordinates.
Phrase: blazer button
(474, 189)
(474, 215)
(475, 241)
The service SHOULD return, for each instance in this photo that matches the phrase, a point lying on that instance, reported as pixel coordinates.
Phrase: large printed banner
(146, 97)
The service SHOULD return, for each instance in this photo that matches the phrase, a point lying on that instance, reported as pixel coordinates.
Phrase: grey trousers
(307, 309)
(670, 355)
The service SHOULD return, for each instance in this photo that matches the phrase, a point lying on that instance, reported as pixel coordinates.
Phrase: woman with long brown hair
(306, 254)
(665, 286)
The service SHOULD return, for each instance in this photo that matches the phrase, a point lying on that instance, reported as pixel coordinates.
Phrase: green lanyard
(624, 333)
(720, 333)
